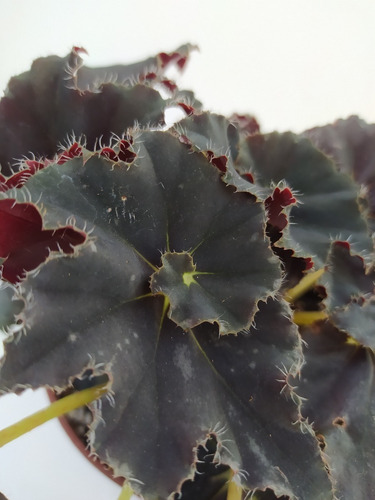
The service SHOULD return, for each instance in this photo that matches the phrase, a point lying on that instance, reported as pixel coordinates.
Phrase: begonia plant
(214, 285)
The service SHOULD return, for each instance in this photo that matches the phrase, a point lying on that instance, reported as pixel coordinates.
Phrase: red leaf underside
(24, 244)
(166, 59)
(275, 204)
(220, 162)
(189, 110)
(246, 124)
(74, 151)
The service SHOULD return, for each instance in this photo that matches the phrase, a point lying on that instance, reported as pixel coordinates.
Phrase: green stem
(56, 409)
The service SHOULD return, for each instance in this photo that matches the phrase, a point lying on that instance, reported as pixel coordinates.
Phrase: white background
(293, 63)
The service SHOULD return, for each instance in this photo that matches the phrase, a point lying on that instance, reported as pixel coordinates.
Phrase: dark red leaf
(33, 165)
(294, 267)
(343, 244)
(169, 84)
(126, 143)
(275, 204)
(149, 76)
(181, 62)
(179, 59)
(79, 50)
(220, 162)
(24, 244)
(17, 180)
(165, 58)
(74, 151)
(109, 153)
(210, 155)
(189, 110)
(249, 177)
(246, 124)
(127, 156)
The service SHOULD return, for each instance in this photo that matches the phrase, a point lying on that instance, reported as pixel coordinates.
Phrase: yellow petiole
(305, 318)
(126, 492)
(304, 285)
(56, 409)
(234, 491)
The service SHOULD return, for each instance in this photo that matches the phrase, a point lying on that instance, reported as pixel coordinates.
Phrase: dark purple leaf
(338, 384)
(110, 304)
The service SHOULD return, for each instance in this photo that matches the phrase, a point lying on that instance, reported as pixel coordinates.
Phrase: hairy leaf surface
(349, 278)
(328, 207)
(11, 307)
(214, 133)
(174, 379)
(59, 97)
(351, 143)
(338, 382)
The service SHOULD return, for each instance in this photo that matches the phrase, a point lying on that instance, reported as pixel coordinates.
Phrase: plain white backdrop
(293, 63)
